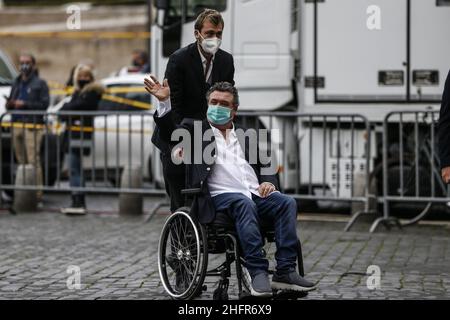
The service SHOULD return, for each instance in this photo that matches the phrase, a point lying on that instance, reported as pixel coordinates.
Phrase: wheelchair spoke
(177, 230)
(176, 244)
(177, 235)
(185, 248)
(191, 247)
(183, 228)
(188, 269)
(182, 244)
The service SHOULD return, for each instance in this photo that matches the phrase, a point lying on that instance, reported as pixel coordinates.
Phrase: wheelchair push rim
(185, 252)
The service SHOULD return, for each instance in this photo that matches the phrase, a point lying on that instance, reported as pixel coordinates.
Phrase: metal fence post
(25, 200)
(131, 204)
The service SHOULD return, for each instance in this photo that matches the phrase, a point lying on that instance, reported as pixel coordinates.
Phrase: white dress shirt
(163, 107)
(231, 172)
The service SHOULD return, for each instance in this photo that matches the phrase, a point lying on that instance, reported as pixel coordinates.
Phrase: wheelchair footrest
(221, 293)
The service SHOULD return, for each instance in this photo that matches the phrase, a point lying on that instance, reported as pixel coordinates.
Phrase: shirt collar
(203, 57)
(218, 133)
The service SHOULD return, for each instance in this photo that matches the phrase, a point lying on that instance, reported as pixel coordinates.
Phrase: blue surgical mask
(219, 115)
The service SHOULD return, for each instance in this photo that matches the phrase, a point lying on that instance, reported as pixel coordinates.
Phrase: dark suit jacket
(38, 98)
(444, 127)
(203, 207)
(188, 85)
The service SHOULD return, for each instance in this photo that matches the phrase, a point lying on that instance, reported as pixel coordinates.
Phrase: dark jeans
(75, 162)
(174, 180)
(277, 208)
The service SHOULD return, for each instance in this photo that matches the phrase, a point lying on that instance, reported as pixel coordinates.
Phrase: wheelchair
(183, 251)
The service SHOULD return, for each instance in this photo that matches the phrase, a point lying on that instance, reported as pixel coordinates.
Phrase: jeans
(277, 208)
(75, 162)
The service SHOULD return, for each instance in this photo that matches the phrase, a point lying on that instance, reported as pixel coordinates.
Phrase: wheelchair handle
(191, 191)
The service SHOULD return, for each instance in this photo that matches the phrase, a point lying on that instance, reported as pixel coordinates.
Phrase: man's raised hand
(160, 92)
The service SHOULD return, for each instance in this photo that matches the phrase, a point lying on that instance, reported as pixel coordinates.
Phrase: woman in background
(86, 97)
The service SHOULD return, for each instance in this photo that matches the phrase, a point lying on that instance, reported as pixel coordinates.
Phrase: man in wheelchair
(235, 182)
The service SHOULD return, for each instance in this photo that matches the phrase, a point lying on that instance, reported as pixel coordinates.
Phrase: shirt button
(208, 169)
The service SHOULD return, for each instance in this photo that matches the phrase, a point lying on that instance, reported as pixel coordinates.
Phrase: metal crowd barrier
(325, 158)
(120, 141)
(321, 159)
(411, 170)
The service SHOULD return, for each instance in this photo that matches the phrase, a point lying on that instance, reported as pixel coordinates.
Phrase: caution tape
(61, 90)
(78, 34)
(67, 89)
(127, 90)
(56, 85)
(133, 103)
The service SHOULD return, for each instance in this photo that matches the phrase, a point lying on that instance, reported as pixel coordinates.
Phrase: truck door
(355, 59)
(261, 48)
(430, 48)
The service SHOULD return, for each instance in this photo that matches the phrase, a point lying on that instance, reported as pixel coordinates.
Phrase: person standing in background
(444, 132)
(86, 97)
(29, 93)
(140, 62)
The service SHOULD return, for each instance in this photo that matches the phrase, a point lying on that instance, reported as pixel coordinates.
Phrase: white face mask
(211, 45)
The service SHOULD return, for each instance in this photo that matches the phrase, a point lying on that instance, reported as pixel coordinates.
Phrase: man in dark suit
(444, 132)
(191, 71)
(231, 178)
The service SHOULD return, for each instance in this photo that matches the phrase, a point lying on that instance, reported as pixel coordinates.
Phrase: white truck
(322, 56)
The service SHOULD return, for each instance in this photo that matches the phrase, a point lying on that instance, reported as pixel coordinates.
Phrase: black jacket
(188, 86)
(203, 207)
(85, 100)
(38, 98)
(444, 127)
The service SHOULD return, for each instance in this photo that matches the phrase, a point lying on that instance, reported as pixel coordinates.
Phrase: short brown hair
(224, 87)
(28, 55)
(212, 16)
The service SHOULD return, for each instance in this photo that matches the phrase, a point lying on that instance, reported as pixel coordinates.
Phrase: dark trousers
(279, 209)
(76, 178)
(174, 179)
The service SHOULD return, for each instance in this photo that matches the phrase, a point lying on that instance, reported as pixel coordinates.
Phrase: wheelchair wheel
(183, 256)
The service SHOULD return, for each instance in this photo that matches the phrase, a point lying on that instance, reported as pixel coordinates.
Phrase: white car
(120, 140)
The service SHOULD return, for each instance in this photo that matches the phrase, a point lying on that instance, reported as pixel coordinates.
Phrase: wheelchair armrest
(193, 191)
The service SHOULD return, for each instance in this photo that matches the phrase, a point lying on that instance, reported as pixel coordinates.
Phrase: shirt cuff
(163, 108)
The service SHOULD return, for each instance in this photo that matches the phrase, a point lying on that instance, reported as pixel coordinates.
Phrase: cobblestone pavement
(118, 258)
